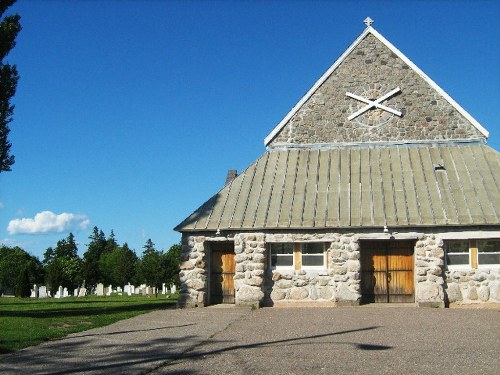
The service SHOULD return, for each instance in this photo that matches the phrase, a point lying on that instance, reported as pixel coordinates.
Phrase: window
(281, 255)
(313, 254)
(457, 253)
(488, 252)
(472, 253)
(297, 255)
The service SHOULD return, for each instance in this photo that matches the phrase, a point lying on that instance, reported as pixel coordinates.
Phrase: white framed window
(488, 253)
(282, 255)
(457, 254)
(297, 255)
(472, 253)
(313, 254)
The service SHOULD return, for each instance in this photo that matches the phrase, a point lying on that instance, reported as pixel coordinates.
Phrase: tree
(151, 268)
(62, 264)
(90, 268)
(106, 260)
(118, 267)
(172, 262)
(18, 271)
(9, 28)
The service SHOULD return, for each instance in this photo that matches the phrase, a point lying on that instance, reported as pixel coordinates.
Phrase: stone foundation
(473, 286)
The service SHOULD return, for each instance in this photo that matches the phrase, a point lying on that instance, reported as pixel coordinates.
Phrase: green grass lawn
(25, 322)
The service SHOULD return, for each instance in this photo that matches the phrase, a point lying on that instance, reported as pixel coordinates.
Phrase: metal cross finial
(368, 21)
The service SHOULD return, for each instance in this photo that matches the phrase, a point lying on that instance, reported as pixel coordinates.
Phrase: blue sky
(129, 113)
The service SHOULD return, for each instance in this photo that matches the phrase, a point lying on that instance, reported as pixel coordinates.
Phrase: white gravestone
(34, 291)
(42, 292)
(59, 292)
(65, 293)
(173, 288)
(100, 289)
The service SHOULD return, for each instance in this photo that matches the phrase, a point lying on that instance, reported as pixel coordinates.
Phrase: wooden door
(222, 273)
(387, 271)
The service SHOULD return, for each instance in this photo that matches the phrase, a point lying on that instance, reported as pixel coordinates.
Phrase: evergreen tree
(23, 286)
(119, 265)
(9, 28)
(62, 265)
(90, 268)
(151, 268)
(172, 261)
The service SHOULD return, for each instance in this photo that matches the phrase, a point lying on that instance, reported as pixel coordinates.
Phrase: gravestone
(100, 290)
(42, 292)
(173, 288)
(110, 290)
(59, 292)
(82, 292)
(65, 293)
(75, 292)
(34, 291)
(163, 289)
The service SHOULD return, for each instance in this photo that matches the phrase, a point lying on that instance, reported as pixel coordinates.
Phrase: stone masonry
(250, 260)
(473, 286)
(339, 282)
(193, 272)
(426, 115)
(429, 263)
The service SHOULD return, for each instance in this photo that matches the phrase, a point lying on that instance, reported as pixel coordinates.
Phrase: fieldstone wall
(472, 286)
(346, 268)
(250, 260)
(193, 273)
(426, 115)
(429, 263)
(338, 282)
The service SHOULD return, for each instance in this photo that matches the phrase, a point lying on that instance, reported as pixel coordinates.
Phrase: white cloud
(48, 222)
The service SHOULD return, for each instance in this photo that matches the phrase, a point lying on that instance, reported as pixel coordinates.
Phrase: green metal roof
(352, 187)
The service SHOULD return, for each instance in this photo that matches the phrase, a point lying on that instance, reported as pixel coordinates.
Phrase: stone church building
(377, 187)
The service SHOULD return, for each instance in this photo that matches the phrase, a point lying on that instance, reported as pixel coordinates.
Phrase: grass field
(25, 322)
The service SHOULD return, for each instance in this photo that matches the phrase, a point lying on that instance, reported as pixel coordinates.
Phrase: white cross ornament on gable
(368, 21)
(374, 103)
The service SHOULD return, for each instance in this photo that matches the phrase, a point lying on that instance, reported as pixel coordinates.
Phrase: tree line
(104, 261)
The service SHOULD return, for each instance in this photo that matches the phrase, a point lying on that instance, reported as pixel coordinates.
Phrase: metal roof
(352, 187)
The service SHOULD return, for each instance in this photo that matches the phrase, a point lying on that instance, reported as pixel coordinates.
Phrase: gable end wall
(427, 116)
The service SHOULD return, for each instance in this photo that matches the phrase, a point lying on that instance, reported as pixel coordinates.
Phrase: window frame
(297, 256)
(322, 255)
(478, 252)
(277, 267)
(473, 253)
(458, 266)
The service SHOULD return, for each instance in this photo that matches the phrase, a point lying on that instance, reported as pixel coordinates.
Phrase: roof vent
(439, 167)
(231, 175)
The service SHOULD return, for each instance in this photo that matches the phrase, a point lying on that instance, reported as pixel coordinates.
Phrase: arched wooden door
(222, 271)
(387, 271)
